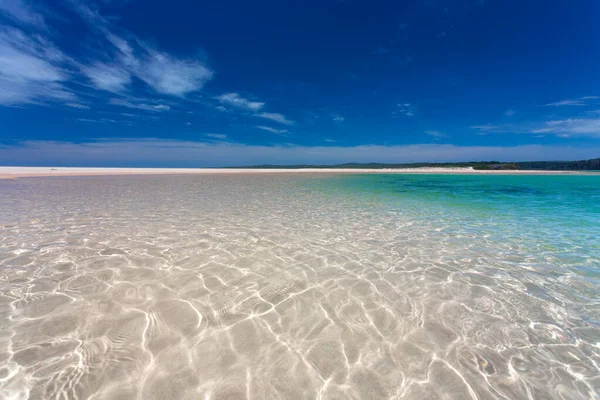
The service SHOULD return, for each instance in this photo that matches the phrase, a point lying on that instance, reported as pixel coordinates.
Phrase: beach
(23, 172)
(273, 284)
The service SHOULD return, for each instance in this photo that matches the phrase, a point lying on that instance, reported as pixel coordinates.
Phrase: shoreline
(30, 172)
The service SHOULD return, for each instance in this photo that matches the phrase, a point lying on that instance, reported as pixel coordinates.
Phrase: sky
(206, 84)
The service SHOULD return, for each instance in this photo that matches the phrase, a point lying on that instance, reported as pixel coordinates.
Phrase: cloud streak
(272, 130)
(237, 101)
(31, 69)
(140, 106)
(218, 136)
(275, 117)
(77, 105)
(436, 134)
(20, 11)
(572, 127)
(107, 77)
(581, 101)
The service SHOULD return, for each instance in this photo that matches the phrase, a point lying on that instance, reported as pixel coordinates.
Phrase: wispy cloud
(148, 152)
(572, 127)
(162, 72)
(31, 69)
(406, 109)
(140, 106)
(488, 128)
(96, 121)
(22, 12)
(107, 77)
(273, 130)
(235, 100)
(510, 112)
(275, 117)
(337, 118)
(171, 76)
(218, 136)
(436, 134)
(77, 105)
(581, 101)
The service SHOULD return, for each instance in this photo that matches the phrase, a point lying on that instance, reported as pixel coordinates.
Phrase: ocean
(300, 286)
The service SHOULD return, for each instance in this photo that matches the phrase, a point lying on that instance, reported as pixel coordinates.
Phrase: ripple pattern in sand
(255, 287)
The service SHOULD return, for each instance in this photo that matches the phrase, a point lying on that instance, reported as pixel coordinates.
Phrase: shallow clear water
(300, 286)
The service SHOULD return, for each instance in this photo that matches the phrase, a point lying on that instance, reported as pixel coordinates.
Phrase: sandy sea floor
(298, 286)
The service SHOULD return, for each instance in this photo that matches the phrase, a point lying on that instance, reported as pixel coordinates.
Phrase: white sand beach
(23, 172)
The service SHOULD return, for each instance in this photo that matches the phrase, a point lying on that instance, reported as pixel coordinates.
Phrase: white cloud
(30, 69)
(147, 152)
(275, 117)
(140, 106)
(572, 127)
(406, 109)
(35, 70)
(337, 118)
(273, 130)
(20, 11)
(77, 105)
(510, 112)
(436, 134)
(581, 101)
(171, 76)
(218, 136)
(488, 128)
(107, 77)
(235, 100)
(95, 121)
(162, 72)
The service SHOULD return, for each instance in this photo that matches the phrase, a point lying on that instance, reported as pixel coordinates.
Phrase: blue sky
(194, 83)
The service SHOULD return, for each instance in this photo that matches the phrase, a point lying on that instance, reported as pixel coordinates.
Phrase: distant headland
(582, 165)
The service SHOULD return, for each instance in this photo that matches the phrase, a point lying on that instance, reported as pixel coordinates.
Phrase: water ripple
(271, 287)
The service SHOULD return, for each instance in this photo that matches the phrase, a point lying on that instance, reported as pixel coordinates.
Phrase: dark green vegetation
(584, 165)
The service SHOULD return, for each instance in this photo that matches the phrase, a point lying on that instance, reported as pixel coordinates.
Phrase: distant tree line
(583, 165)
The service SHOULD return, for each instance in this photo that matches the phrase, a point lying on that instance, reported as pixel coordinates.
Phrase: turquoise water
(558, 213)
(537, 227)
